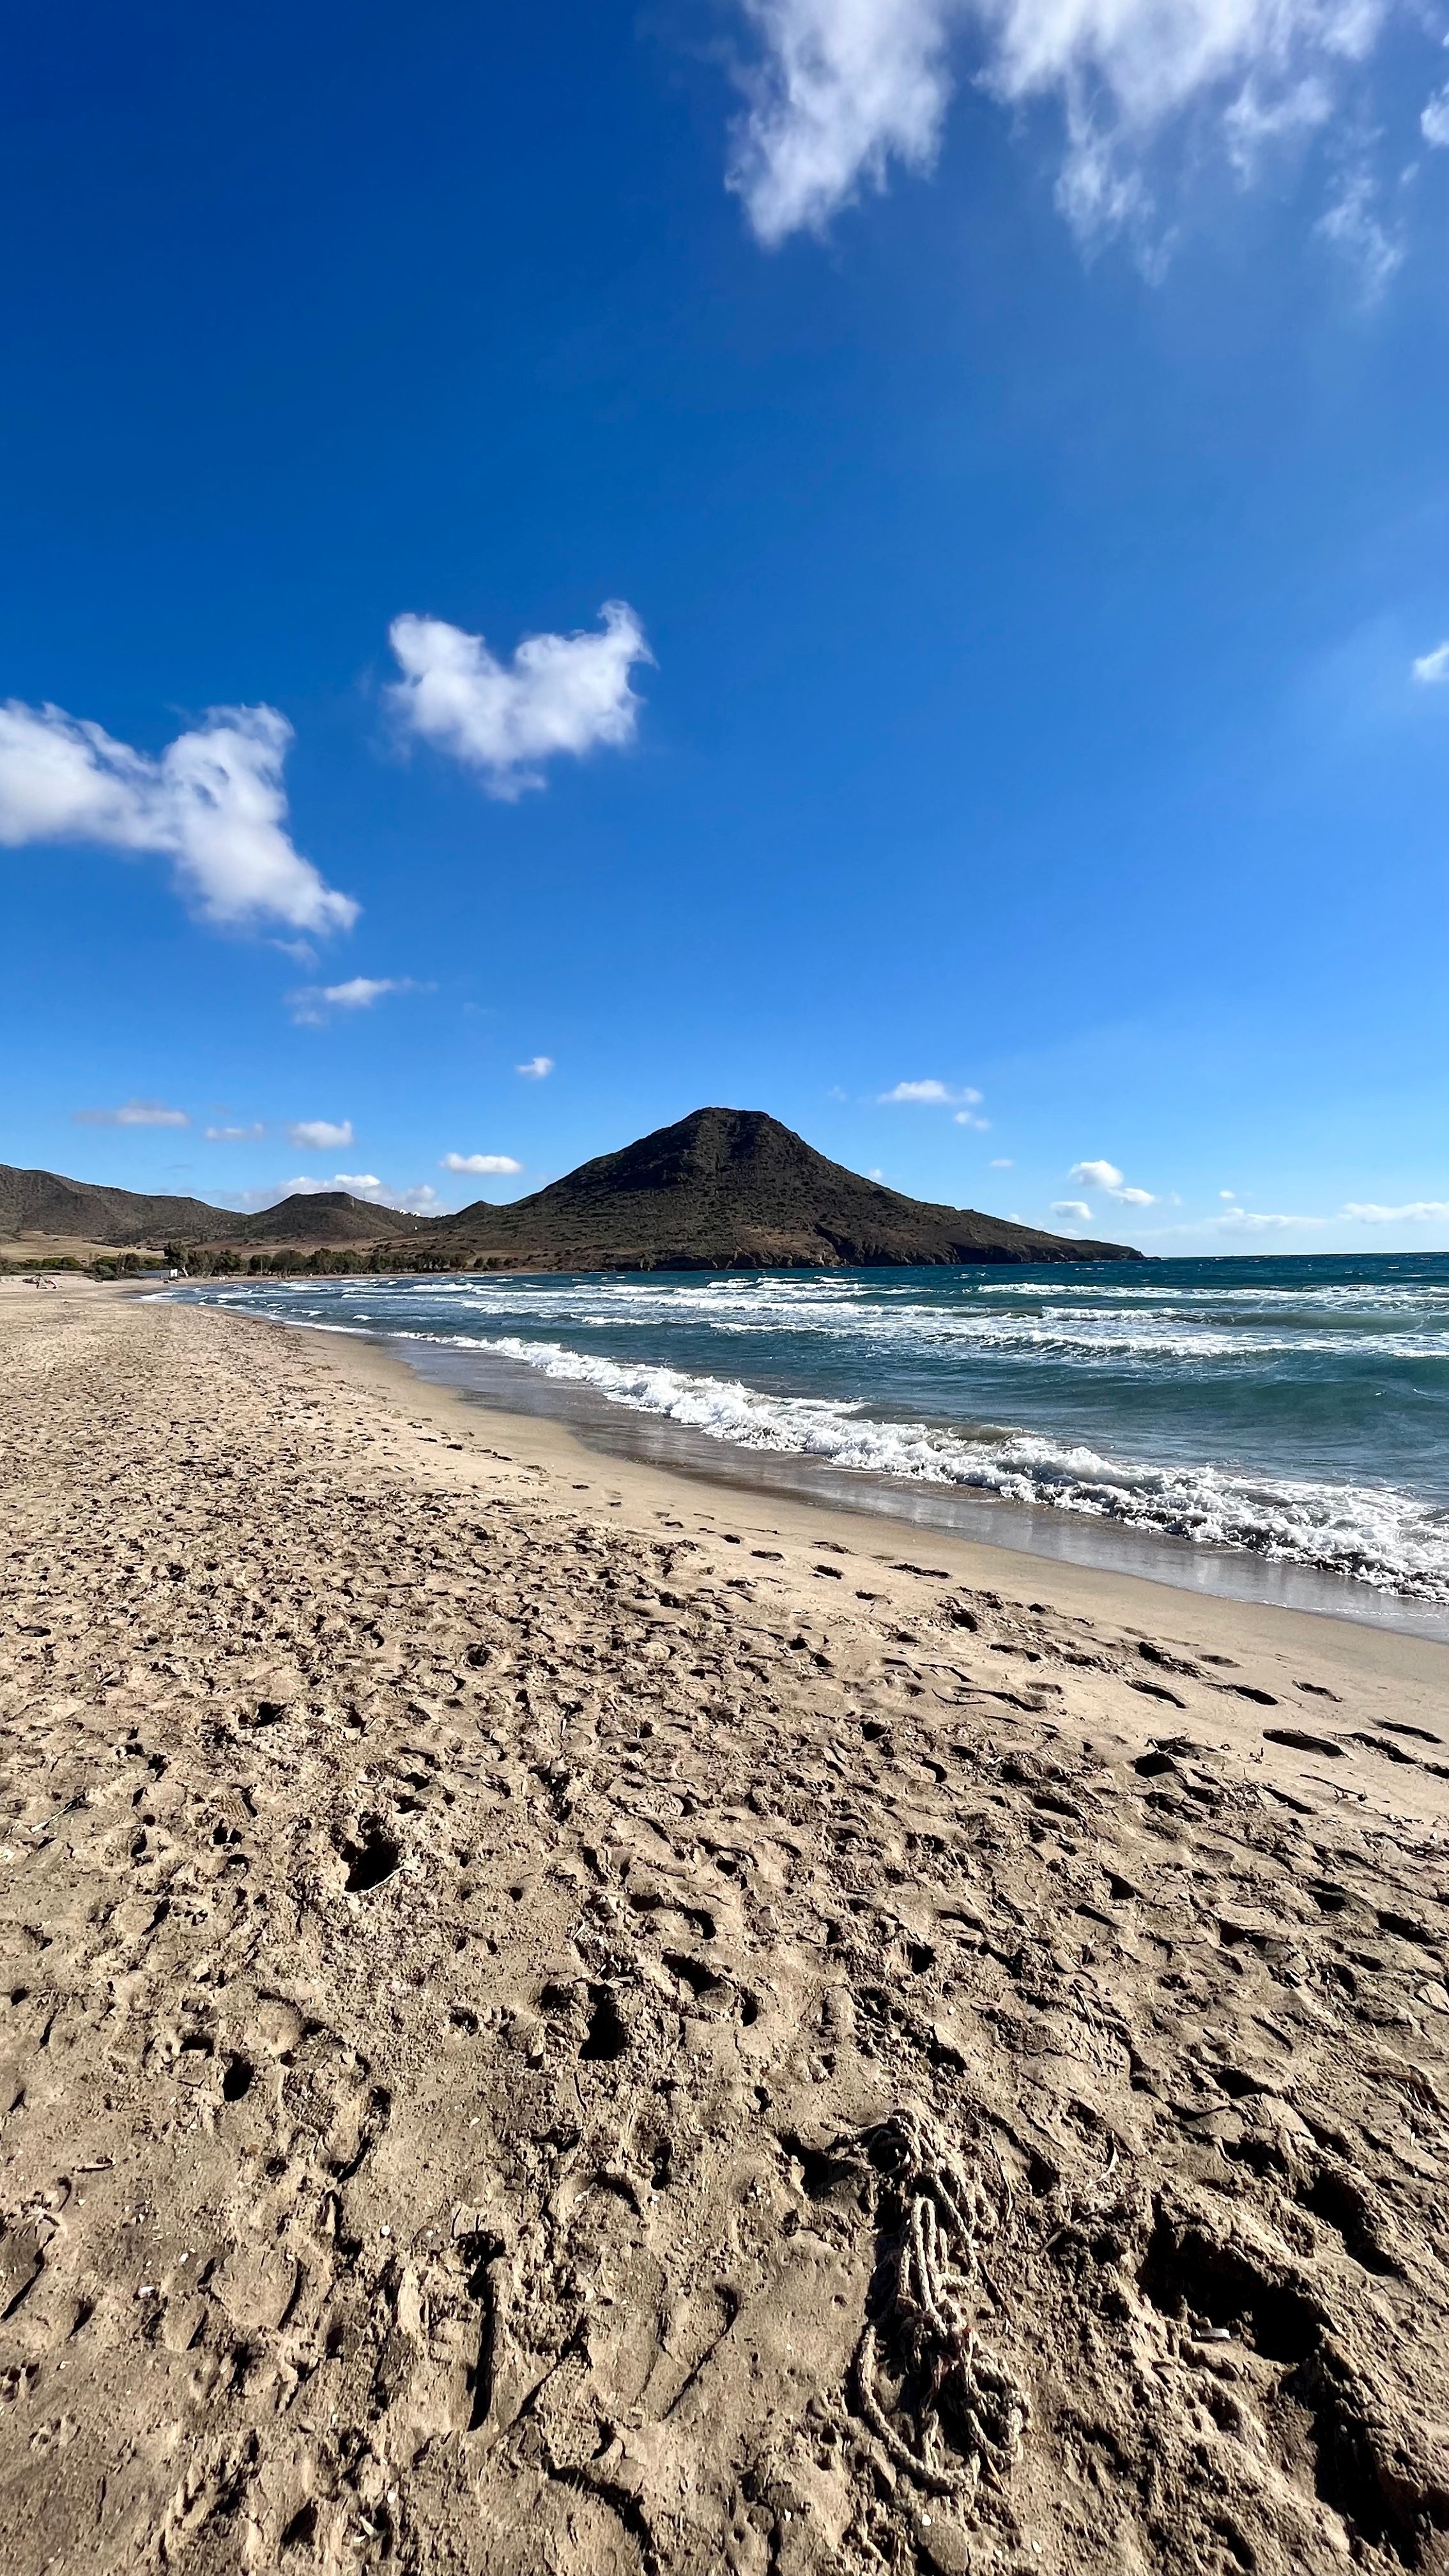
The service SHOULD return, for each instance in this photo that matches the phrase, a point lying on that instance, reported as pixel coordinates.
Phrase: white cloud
(1256, 119)
(479, 1163)
(933, 1094)
(423, 1200)
(1432, 669)
(537, 1069)
(845, 86)
(234, 1135)
(133, 1113)
(1227, 1194)
(875, 1173)
(1003, 1163)
(1097, 1176)
(361, 991)
(213, 804)
(1418, 1212)
(312, 1006)
(560, 693)
(842, 88)
(420, 1201)
(968, 1118)
(1434, 123)
(1242, 1221)
(319, 1133)
(1076, 1208)
(1356, 228)
(1133, 1198)
(1236, 1222)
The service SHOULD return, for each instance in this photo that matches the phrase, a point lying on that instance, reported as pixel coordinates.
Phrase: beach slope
(555, 2017)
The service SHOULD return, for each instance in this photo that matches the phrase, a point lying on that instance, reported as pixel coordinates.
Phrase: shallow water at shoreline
(1271, 1429)
(984, 1519)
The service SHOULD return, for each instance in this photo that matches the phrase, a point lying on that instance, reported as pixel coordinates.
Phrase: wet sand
(990, 1521)
(555, 2017)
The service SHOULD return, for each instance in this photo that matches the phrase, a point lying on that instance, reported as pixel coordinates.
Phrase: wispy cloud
(1355, 224)
(1431, 670)
(319, 1134)
(234, 1135)
(559, 694)
(932, 1094)
(841, 89)
(537, 1069)
(1254, 1221)
(1236, 1220)
(213, 803)
(315, 1004)
(132, 1113)
(1417, 1212)
(1003, 1163)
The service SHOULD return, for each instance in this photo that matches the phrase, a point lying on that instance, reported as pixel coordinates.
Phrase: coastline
(884, 1535)
(932, 1511)
(935, 1512)
(1269, 1443)
(484, 1923)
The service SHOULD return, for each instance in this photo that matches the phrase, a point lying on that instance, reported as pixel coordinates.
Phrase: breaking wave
(1388, 1539)
(1292, 1408)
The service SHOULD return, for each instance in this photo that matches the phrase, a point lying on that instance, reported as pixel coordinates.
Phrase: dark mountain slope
(731, 1189)
(88, 1212)
(724, 1189)
(45, 1203)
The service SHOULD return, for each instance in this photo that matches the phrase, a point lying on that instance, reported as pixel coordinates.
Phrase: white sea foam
(1382, 1537)
(1210, 1329)
(1297, 1368)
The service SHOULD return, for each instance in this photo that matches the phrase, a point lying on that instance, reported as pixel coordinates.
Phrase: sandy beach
(558, 2018)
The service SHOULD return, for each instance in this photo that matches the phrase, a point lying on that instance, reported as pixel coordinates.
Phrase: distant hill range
(43, 1203)
(46, 1204)
(724, 1189)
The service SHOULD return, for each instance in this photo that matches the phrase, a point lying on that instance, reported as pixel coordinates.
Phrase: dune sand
(559, 2018)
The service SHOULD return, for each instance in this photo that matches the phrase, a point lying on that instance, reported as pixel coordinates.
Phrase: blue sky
(976, 486)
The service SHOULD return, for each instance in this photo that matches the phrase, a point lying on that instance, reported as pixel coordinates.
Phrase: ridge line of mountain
(718, 1189)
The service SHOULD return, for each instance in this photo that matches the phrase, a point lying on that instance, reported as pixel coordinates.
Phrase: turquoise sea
(1291, 1413)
